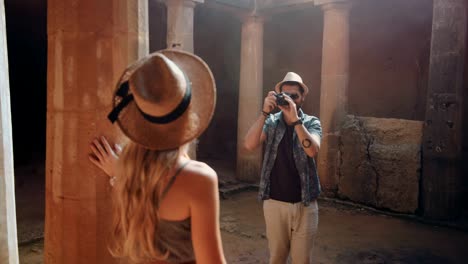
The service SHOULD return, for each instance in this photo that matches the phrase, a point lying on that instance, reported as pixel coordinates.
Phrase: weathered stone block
(357, 178)
(381, 162)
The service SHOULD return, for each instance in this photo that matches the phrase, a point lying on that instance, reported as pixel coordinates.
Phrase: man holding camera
(289, 184)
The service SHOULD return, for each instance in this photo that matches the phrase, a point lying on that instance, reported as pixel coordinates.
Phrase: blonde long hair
(141, 177)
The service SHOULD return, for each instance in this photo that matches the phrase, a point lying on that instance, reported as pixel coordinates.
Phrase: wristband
(298, 122)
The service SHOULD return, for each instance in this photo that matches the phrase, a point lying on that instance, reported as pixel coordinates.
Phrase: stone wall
(389, 58)
(381, 162)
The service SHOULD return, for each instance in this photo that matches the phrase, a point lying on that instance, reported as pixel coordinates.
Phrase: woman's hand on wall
(104, 156)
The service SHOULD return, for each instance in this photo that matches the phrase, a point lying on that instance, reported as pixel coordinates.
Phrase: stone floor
(30, 202)
(346, 235)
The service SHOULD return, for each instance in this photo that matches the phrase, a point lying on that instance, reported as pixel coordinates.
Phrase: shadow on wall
(157, 25)
(217, 40)
(390, 49)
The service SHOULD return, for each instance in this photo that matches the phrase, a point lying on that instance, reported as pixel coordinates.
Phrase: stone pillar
(442, 148)
(90, 43)
(180, 14)
(8, 238)
(333, 91)
(250, 95)
(180, 24)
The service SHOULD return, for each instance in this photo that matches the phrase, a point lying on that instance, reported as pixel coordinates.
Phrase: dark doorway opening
(26, 23)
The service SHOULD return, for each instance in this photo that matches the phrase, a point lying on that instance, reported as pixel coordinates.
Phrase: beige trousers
(290, 230)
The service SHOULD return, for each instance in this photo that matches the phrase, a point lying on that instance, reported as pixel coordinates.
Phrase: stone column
(180, 24)
(180, 14)
(442, 148)
(89, 45)
(250, 95)
(8, 238)
(333, 91)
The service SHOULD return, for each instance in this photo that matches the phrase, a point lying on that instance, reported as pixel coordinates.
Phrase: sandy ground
(346, 235)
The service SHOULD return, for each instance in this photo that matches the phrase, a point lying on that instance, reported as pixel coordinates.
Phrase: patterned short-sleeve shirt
(275, 128)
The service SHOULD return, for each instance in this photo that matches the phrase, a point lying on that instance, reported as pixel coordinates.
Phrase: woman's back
(192, 180)
(175, 230)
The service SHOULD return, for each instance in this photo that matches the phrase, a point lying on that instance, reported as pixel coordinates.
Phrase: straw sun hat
(165, 99)
(292, 77)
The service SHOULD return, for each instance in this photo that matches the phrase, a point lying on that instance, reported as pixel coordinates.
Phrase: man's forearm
(253, 137)
(309, 142)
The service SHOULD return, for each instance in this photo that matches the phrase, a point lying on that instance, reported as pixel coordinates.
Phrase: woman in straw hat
(166, 205)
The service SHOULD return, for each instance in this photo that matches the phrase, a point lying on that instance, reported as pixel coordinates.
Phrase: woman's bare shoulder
(199, 174)
(199, 169)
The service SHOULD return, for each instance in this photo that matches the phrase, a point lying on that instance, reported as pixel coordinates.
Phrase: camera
(280, 99)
